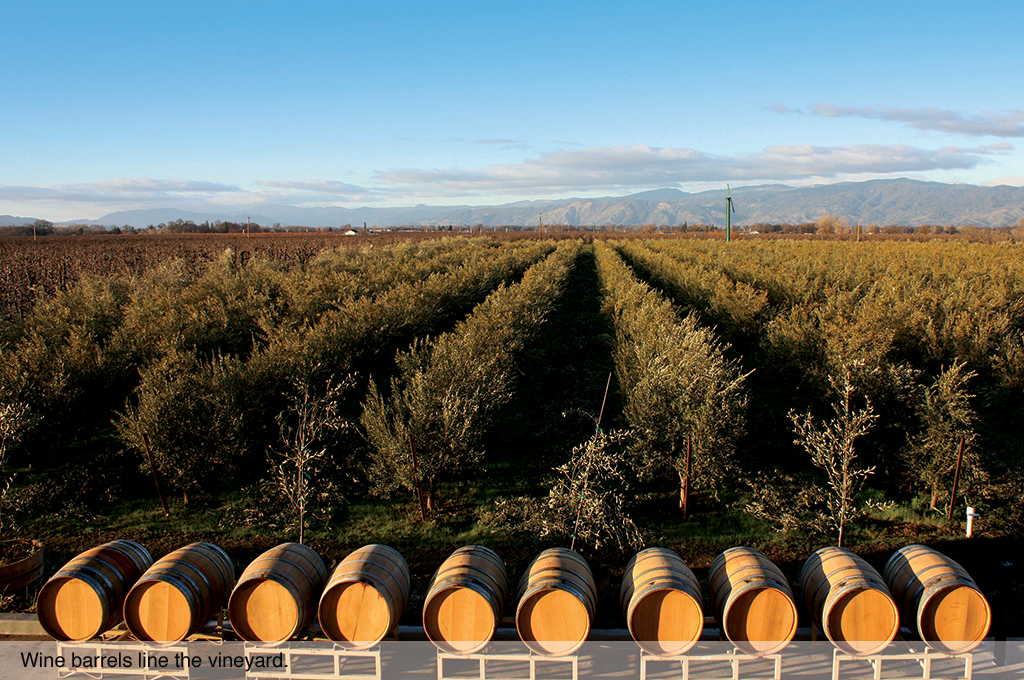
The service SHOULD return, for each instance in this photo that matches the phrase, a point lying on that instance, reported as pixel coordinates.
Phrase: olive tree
(299, 466)
(680, 393)
(440, 409)
(586, 502)
(187, 412)
(684, 395)
(947, 422)
(831, 448)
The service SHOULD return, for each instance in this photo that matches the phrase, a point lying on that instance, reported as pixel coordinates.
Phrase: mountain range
(886, 201)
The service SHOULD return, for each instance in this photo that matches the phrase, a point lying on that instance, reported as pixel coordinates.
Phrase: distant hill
(12, 221)
(901, 201)
(143, 218)
(886, 201)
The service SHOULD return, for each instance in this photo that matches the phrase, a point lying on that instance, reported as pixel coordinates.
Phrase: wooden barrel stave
(483, 562)
(23, 575)
(465, 600)
(557, 598)
(276, 596)
(849, 601)
(179, 593)
(752, 600)
(365, 596)
(85, 597)
(939, 599)
(555, 561)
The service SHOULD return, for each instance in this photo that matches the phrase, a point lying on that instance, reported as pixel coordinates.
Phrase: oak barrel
(661, 601)
(557, 599)
(276, 596)
(22, 575)
(85, 597)
(938, 599)
(465, 600)
(752, 600)
(179, 593)
(365, 597)
(848, 601)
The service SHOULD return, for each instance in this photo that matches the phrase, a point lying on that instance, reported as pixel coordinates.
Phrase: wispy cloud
(316, 191)
(147, 193)
(506, 144)
(1008, 124)
(628, 167)
(325, 186)
(118, 191)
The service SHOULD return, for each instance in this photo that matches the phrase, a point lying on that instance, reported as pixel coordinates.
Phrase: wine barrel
(276, 596)
(24, 575)
(465, 600)
(557, 599)
(179, 593)
(85, 597)
(848, 601)
(752, 600)
(660, 599)
(365, 597)
(938, 599)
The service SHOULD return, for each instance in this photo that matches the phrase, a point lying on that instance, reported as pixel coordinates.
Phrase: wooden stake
(601, 414)
(597, 431)
(956, 480)
(416, 480)
(579, 509)
(686, 482)
(156, 474)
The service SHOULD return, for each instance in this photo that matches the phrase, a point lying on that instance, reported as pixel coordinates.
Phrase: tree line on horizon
(828, 224)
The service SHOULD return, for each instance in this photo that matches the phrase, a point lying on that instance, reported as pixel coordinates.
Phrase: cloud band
(1006, 125)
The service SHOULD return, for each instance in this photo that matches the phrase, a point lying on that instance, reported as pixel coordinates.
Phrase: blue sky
(222, 105)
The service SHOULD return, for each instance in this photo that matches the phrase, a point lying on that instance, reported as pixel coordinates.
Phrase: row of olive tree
(915, 329)
(735, 308)
(79, 355)
(687, 402)
(207, 417)
(428, 424)
(203, 371)
(683, 397)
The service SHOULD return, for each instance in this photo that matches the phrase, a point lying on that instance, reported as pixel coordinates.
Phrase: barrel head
(957, 620)
(459, 620)
(761, 621)
(262, 610)
(666, 622)
(863, 621)
(71, 609)
(355, 615)
(156, 611)
(553, 622)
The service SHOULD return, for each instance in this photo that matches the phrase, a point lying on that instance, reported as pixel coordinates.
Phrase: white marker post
(971, 514)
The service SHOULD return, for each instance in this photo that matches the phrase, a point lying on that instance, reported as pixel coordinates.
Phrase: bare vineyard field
(246, 364)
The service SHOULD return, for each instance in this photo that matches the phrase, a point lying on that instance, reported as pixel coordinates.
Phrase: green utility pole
(729, 210)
